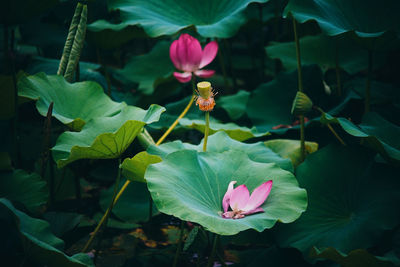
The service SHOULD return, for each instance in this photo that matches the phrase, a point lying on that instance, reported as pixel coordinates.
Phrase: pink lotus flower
(241, 202)
(187, 56)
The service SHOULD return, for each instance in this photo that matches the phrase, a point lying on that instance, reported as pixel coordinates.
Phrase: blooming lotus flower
(241, 202)
(187, 56)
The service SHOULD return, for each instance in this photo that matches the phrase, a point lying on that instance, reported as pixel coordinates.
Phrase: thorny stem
(108, 212)
(179, 247)
(368, 84)
(300, 82)
(206, 130)
(173, 125)
(213, 251)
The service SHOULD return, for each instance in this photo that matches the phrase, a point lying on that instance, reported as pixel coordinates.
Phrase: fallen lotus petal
(186, 55)
(241, 202)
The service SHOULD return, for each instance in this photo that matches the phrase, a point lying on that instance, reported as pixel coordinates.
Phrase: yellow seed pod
(204, 89)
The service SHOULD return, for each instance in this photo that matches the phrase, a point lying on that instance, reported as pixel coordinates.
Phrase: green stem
(262, 58)
(300, 83)
(368, 84)
(173, 125)
(330, 127)
(108, 212)
(206, 130)
(213, 251)
(179, 247)
(150, 208)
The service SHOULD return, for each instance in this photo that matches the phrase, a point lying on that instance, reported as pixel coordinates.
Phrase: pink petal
(239, 197)
(183, 77)
(258, 196)
(173, 55)
(253, 211)
(188, 53)
(204, 73)
(227, 196)
(209, 53)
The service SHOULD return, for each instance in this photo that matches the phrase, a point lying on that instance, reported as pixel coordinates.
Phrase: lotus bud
(301, 104)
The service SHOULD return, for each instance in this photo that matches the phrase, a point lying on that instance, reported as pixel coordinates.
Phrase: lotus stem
(300, 84)
(206, 130)
(213, 251)
(331, 128)
(108, 211)
(368, 84)
(179, 247)
(173, 125)
(46, 150)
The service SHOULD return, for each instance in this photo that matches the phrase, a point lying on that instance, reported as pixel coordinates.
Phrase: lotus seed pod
(204, 89)
(301, 104)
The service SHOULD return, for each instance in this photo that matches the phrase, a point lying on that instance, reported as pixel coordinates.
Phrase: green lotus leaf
(340, 16)
(134, 168)
(104, 138)
(74, 103)
(133, 205)
(108, 36)
(290, 149)
(190, 185)
(355, 258)
(270, 104)
(347, 52)
(235, 105)
(142, 70)
(29, 189)
(41, 246)
(233, 130)
(379, 134)
(351, 201)
(221, 142)
(220, 19)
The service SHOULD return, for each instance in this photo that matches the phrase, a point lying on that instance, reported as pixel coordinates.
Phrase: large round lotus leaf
(104, 138)
(380, 134)
(351, 201)
(19, 11)
(364, 17)
(270, 104)
(235, 131)
(29, 189)
(190, 185)
(108, 36)
(142, 70)
(221, 142)
(346, 51)
(356, 258)
(74, 103)
(290, 149)
(133, 206)
(220, 19)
